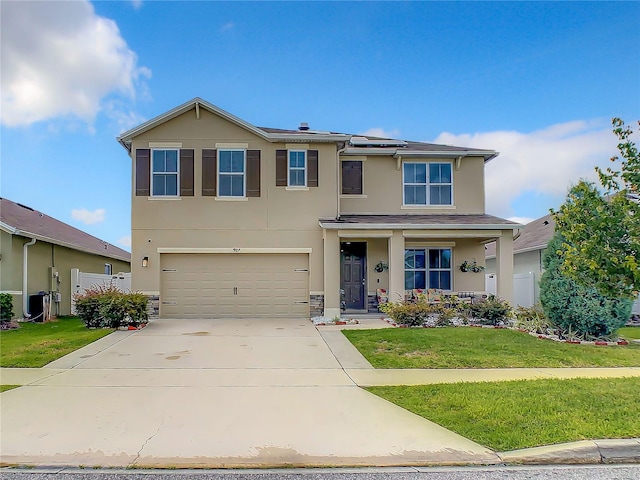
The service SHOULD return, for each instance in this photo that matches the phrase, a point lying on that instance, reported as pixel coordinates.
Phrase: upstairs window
(427, 183)
(231, 173)
(164, 174)
(297, 168)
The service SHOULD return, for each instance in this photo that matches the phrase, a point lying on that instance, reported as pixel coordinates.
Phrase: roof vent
(304, 126)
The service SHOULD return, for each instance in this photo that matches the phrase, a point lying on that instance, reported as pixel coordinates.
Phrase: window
(427, 183)
(297, 169)
(231, 178)
(427, 268)
(107, 269)
(164, 173)
(352, 177)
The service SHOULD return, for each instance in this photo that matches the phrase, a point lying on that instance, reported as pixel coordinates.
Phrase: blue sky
(537, 81)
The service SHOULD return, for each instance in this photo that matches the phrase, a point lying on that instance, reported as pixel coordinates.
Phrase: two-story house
(234, 220)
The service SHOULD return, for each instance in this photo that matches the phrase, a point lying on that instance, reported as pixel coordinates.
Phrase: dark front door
(352, 275)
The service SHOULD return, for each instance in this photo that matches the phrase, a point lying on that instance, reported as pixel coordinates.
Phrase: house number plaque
(236, 250)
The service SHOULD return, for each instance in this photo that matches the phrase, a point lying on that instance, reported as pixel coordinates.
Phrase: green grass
(4, 388)
(629, 333)
(527, 413)
(36, 344)
(481, 348)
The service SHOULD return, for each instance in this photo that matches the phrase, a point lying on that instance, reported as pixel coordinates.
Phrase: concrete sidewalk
(242, 393)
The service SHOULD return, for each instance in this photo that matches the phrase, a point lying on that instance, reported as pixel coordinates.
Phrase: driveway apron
(215, 393)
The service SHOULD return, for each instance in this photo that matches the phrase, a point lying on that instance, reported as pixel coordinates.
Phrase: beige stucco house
(37, 253)
(232, 220)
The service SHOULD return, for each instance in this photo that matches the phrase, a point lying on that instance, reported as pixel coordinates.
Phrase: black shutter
(281, 168)
(312, 174)
(186, 173)
(253, 173)
(143, 166)
(352, 177)
(209, 172)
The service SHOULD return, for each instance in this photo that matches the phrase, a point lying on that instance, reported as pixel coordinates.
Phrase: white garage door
(234, 285)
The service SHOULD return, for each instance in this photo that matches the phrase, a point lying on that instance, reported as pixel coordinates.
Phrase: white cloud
(60, 59)
(227, 27)
(381, 132)
(521, 220)
(137, 4)
(88, 217)
(125, 241)
(544, 162)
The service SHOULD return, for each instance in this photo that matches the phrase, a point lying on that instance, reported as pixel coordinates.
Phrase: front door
(353, 257)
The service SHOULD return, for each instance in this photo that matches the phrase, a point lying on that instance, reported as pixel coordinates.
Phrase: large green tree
(573, 307)
(601, 226)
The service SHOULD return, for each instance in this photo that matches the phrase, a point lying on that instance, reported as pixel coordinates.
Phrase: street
(572, 472)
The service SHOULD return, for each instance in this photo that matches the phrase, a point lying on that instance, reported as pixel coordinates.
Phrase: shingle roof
(420, 221)
(534, 236)
(26, 221)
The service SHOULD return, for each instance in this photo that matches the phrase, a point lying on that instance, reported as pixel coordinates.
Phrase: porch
(367, 253)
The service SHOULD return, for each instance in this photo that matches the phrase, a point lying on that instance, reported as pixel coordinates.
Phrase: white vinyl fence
(81, 281)
(524, 288)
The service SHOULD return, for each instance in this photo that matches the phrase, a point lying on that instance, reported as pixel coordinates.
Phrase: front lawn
(36, 344)
(467, 347)
(629, 333)
(527, 413)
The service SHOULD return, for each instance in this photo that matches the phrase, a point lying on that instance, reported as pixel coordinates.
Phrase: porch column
(396, 266)
(504, 265)
(331, 273)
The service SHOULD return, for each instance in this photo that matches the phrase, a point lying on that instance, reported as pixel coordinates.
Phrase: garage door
(240, 285)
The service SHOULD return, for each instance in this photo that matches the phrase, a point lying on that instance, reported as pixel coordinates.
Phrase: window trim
(427, 270)
(428, 184)
(290, 168)
(108, 269)
(244, 172)
(176, 173)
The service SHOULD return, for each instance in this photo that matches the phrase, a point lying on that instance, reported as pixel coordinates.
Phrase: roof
(422, 222)
(354, 144)
(534, 236)
(19, 219)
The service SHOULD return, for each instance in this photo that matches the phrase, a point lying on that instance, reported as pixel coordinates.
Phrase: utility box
(36, 307)
(54, 279)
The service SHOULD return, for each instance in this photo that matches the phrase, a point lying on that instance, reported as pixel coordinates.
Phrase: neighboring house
(47, 249)
(233, 220)
(528, 246)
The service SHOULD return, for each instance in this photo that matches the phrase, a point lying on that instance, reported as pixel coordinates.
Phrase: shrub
(491, 311)
(6, 307)
(106, 306)
(407, 313)
(533, 319)
(576, 309)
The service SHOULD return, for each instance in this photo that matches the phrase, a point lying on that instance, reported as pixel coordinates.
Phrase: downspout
(25, 266)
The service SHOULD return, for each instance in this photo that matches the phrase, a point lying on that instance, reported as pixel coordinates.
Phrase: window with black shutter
(352, 177)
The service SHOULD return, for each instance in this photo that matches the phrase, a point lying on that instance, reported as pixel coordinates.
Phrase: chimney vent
(304, 126)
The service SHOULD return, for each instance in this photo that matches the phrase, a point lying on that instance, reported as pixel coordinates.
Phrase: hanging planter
(471, 266)
(381, 266)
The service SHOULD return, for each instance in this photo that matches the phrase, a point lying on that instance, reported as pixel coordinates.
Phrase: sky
(536, 81)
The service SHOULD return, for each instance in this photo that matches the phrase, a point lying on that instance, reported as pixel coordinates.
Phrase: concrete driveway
(216, 393)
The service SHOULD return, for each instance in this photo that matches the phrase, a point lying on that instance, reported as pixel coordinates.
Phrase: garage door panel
(222, 285)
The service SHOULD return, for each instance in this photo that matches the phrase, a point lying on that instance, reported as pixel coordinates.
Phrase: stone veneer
(153, 306)
(316, 305)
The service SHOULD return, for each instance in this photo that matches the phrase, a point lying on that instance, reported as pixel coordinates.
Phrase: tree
(572, 307)
(601, 230)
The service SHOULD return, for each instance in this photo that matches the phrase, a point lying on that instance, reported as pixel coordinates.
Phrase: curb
(584, 452)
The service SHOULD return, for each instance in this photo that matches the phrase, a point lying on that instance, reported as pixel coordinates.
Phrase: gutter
(414, 226)
(25, 277)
